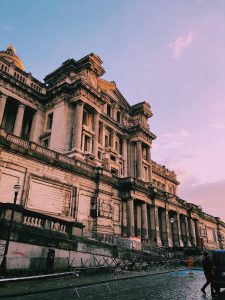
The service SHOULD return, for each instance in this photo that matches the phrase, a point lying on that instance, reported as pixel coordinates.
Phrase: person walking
(207, 268)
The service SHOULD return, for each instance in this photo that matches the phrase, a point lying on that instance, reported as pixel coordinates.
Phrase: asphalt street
(177, 286)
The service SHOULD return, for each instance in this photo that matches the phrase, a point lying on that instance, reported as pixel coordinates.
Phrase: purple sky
(170, 53)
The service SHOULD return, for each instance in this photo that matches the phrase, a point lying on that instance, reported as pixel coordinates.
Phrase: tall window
(145, 173)
(49, 121)
(87, 144)
(46, 143)
(120, 147)
(109, 110)
(85, 118)
(106, 141)
(118, 116)
(144, 153)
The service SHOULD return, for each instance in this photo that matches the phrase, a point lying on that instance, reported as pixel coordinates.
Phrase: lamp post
(3, 263)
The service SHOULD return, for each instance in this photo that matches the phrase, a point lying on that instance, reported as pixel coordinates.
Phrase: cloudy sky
(170, 53)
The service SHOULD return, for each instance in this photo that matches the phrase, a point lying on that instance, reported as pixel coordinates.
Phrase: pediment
(110, 89)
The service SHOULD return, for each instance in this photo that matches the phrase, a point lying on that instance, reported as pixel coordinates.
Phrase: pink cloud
(181, 43)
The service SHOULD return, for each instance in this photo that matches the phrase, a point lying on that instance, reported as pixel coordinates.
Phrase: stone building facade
(82, 154)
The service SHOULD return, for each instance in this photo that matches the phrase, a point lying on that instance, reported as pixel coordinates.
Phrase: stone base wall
(33, 258)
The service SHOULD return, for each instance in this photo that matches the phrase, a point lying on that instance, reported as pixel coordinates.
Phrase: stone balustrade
(25, 78)
(161, 170)
(16, 140)
(87, 165)
(26, 217)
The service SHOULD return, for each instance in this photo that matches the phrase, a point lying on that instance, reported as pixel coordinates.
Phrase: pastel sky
(170, 53)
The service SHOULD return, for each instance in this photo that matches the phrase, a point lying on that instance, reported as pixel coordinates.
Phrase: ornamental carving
(105, 209)
(18, 92)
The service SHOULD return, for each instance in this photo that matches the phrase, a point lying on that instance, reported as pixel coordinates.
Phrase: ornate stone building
(82, 154)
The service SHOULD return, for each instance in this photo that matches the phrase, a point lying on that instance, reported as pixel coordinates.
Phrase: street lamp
(3, 263)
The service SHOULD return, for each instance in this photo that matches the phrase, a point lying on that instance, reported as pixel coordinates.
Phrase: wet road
(176, 286)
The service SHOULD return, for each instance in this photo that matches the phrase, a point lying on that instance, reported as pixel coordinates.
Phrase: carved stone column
(144, 221)
(150, 163)
(166, 232)
(96, 132)
(154, 219)
(197, 233)
(125, 157)
(2, 106)
(139, 160)
(130, 217)
(124, 218)
(129, 160)
(191, 227)
(138, 220)
(168, 228)
(187, 231)
(19, 120)
(78, 123)
(177, 231)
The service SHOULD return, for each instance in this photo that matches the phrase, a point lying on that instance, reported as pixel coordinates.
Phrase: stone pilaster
(154, 219)
(130, 217)
(113, 139)
(3, 99)
(144, 221)
(17, 130)
(69, 129)
(125, 167)
(37, 126)
(139, 159)
(78, 123)
(150, 163)
(96, 132)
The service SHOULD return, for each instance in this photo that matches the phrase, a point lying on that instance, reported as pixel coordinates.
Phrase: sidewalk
(33, 285)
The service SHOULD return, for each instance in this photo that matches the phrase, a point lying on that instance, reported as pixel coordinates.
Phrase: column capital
(3, 96)
(21, 105)
(96, 113)
(80, 102)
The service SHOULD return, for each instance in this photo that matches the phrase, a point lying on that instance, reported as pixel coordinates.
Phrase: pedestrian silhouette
(207, 268)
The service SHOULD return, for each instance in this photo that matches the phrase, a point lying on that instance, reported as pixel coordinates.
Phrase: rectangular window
(46, 143)
(99, 155)
(106, 141)
(49, 121)
(108, 110)
(120, 147)
(118, 117)
(85, 118)
(117, 146)
(112, 157)
(146, 173)
(86, 144)
(121, 168)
